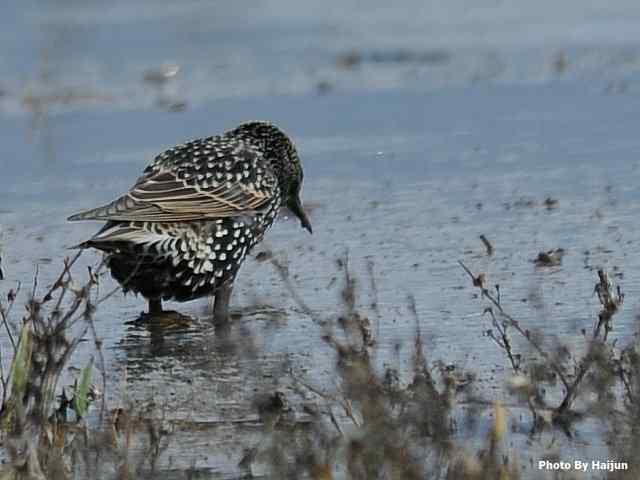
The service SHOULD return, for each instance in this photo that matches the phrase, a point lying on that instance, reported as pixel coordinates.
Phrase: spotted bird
(185, 227)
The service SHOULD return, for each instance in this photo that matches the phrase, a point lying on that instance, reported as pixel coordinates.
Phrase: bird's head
(282, 156)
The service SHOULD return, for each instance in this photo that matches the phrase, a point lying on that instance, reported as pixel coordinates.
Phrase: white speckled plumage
(185, 227)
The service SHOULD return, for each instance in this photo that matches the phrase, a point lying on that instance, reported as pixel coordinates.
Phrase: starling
(185, 227)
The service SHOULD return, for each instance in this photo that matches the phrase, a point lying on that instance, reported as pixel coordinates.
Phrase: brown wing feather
(181, 201)
(176, 192)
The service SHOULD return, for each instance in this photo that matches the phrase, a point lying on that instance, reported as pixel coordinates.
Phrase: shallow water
(454, 122)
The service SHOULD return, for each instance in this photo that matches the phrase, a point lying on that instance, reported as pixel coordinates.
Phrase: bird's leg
(221, 304)
(155, 306)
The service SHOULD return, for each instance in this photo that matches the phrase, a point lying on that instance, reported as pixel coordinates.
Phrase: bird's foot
(167, 319)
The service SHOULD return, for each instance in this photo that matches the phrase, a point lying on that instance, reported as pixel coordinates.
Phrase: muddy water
(429, 140)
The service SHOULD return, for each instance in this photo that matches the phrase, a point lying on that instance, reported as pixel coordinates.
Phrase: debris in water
(487, 245)
(551, 203)
(161, 75)
(550, 258)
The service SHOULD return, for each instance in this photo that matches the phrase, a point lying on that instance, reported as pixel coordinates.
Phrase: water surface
(443, 124)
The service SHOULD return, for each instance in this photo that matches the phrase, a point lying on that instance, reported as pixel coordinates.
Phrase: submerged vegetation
(378, 422)
(44, 429)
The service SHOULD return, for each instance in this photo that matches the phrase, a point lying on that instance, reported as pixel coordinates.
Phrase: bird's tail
(110, 211)
(80, 246)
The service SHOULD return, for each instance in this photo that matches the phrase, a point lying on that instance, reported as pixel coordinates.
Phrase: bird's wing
(194, 183)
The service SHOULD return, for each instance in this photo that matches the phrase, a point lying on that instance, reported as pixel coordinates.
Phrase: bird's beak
(295, 205)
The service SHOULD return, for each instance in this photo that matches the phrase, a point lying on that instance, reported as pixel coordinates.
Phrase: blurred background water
(421, 125)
